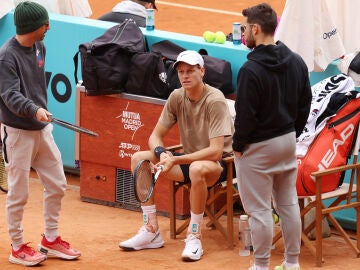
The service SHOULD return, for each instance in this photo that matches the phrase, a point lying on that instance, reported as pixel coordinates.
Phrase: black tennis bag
(147, 76)
(152, 73)
(217, 71)
(105, 61)
(355, 63)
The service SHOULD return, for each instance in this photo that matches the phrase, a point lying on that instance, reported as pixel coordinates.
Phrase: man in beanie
(26, 135)
(130, 9)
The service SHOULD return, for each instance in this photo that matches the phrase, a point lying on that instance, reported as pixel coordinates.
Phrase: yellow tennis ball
(276, 218)
(209, 36)
(220, 37)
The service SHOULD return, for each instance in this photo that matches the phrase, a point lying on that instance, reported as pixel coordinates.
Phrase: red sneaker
(58, 248)
(26, 256)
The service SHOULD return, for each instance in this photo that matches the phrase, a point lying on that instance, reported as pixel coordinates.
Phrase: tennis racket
(3, 175)
(73, 127)
(145, 179)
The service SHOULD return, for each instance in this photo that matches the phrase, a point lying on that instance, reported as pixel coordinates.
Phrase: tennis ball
(276, 218)
(220, 37)
(209, 36)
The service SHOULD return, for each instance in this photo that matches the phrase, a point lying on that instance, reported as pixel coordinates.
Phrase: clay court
(96, 230)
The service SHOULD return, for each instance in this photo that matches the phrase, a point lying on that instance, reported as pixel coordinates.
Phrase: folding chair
(211, 211)
(345, 197)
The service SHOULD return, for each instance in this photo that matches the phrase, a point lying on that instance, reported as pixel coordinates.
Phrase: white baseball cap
(190, 57)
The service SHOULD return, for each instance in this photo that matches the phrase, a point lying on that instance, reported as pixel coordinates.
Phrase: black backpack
(169, 52)
(105, 61)
(147, 76)
(217, 71)
(152, 73)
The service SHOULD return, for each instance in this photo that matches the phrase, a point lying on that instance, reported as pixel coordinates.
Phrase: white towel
(307, 28)
(322, 92)
(5, 7)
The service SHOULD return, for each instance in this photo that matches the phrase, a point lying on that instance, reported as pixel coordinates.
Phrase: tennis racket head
(143, 180)
(3, 175)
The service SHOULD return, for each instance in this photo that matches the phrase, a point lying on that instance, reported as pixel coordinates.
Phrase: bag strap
(76, 61)
(167, 49)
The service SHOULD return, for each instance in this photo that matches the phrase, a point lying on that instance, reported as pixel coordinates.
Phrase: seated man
(206, 127)
(129, 9)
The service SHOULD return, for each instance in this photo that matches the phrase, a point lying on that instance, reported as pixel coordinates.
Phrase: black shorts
(185, 170)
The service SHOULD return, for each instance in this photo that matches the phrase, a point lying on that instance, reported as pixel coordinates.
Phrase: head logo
(331, 153)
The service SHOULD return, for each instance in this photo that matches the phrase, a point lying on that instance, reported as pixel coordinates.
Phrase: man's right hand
(43, 115)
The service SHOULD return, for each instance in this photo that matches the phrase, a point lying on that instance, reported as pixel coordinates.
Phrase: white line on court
(199, 8)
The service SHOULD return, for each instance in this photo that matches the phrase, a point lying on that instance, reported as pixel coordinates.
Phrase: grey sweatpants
(24, 149)
(267, 170)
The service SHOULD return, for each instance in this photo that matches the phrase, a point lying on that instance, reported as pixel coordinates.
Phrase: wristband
(158, 150)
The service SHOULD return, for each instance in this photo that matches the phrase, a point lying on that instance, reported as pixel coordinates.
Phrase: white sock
(149, 217)
(16, 247)
(50, 238)
(261, 267)
(195, 223)
(290, 265)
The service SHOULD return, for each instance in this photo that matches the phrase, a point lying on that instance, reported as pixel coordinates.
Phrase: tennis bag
(217, 71)
(331, 148)
(105, 61)
(147, 76)
(152, 73)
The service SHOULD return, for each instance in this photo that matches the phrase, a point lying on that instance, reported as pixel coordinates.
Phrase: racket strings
(3, 175)
(144, 181)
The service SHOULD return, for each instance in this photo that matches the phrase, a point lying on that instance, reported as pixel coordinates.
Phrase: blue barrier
(62, 41)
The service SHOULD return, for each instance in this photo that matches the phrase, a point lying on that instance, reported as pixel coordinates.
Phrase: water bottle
(236, 33)
(245, 245)
(150, 19)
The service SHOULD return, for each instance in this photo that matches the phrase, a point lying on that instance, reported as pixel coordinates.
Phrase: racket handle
(158, 171)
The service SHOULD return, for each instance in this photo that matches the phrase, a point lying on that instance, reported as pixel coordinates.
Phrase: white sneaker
(142, 240)
(193, 249)
(254, 267)
(283, 267)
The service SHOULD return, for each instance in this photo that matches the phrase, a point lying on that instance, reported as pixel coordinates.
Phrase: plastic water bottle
(236, 33)
(245, 245)
(150, 19)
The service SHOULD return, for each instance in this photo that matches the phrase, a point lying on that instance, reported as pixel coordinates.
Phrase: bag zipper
(116, 36)
(343, 119)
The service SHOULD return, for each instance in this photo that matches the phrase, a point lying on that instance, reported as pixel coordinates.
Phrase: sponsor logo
(331, 153)
(328, 35)
(194, 252)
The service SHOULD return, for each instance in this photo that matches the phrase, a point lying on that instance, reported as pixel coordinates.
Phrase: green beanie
(29, 16)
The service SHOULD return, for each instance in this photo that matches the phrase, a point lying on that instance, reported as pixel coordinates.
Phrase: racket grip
(158, 171)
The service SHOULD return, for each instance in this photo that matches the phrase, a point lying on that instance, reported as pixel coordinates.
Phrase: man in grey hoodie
(130, 9)
(26, 136)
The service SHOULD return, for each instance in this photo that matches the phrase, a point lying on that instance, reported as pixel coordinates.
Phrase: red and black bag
(331, 148)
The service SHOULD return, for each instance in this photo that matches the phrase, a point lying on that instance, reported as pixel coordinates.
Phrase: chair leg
(174, 231)
(338, 227)
(230, 206)
(173, 189)
(210, 210)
